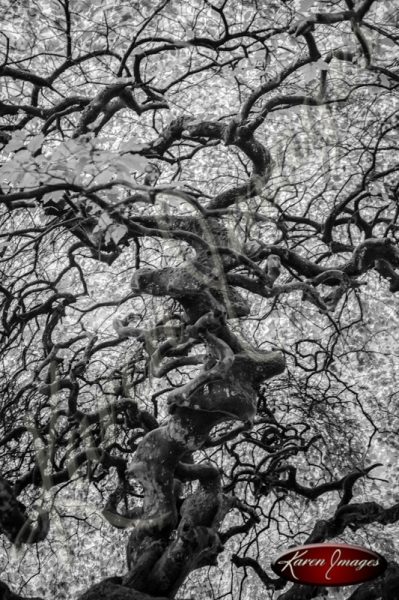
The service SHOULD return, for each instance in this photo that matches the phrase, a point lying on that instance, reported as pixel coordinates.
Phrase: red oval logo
(329, 564)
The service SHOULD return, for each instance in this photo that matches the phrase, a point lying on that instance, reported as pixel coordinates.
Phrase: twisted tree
(196, 198)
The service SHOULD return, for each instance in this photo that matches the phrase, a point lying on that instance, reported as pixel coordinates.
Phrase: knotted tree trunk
(171, 537)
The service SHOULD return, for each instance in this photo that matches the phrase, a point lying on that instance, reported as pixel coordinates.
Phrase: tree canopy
(199, 260)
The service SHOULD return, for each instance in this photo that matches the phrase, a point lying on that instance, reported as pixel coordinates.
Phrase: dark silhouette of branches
(197, 203)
